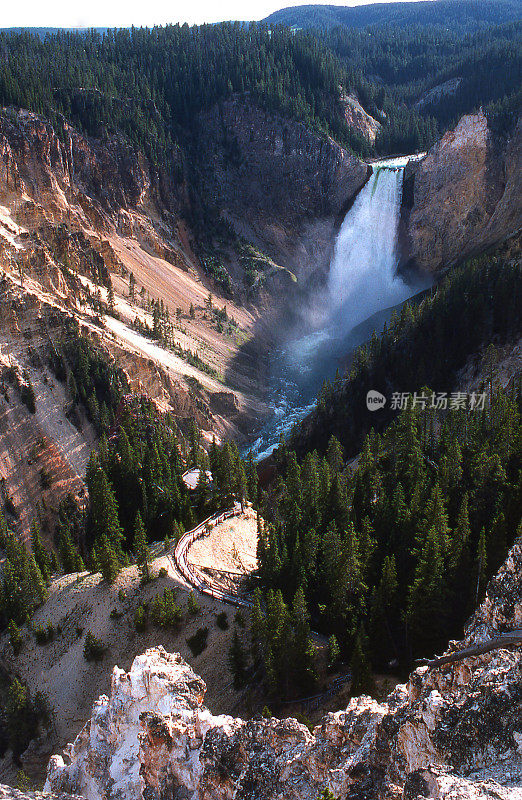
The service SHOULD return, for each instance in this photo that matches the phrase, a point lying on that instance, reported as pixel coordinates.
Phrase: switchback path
(182, 565)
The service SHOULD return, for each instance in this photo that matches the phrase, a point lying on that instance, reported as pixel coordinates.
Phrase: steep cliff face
(278, 183)
(276, 180)
(465, 195)
(451, 732)
(104, 185)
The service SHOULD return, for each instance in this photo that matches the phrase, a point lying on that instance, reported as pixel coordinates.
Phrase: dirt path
(230, 546)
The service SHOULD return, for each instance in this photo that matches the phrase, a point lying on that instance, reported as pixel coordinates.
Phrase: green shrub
(193, 605)
(239, 619)
(44, 634)
(115, 614)
(93, 649)
(198, 641)
(15, 637)
(23, 783)
(162, 573)
(140, 619)
(23, 716)
(40, 634)
(157, 610)
(222, 621)
(164, 612)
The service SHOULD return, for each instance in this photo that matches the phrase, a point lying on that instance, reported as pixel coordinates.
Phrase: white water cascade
(362, 278)
(362, 288)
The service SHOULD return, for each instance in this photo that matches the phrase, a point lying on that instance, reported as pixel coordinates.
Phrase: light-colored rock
(358, 119)
(467, 193)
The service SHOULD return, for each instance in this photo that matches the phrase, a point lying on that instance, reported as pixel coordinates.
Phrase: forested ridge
(462, 16)
(394, 556)
(152, 84)
(481, 69)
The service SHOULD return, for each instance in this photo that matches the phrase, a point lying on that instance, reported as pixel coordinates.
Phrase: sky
(122, 13)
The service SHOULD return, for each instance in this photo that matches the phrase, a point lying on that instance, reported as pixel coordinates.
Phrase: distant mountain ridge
(465, 16)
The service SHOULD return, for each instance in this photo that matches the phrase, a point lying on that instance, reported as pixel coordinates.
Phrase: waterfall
(362, 288)
(362, 278)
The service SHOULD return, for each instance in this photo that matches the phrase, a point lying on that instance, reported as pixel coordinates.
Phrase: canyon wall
(278, 183)
(465, 195)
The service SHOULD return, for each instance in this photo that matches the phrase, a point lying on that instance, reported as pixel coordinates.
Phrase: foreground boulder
(451, 732)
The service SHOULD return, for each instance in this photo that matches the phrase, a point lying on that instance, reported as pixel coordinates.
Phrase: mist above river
(362, 289)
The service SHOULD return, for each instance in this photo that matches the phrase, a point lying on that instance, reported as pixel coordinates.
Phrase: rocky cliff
(274, 178)
(102, 185)
(465, 195)
(453, 731)
(280, 184)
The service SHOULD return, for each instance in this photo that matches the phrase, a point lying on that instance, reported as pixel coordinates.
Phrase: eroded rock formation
(452, 732)
(280, 179)
(465, 195)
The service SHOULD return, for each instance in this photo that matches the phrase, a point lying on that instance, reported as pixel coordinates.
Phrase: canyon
(80, 214)
(75, 209)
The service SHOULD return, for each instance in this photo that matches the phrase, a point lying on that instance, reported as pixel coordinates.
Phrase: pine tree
(41, 556)
(241, 487)
(194, 439)
(141, 550)
(481, 562)
(15, 636)
(73, 388)
(107, 559)
(22, 721)
(257, 626)
(69, 556)
(304, 653)
(335, 455)
(237, 661)
(362, 678)
(497, 546)
(333, 652)
(252, 478)
(103, 514)
(384, 616)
